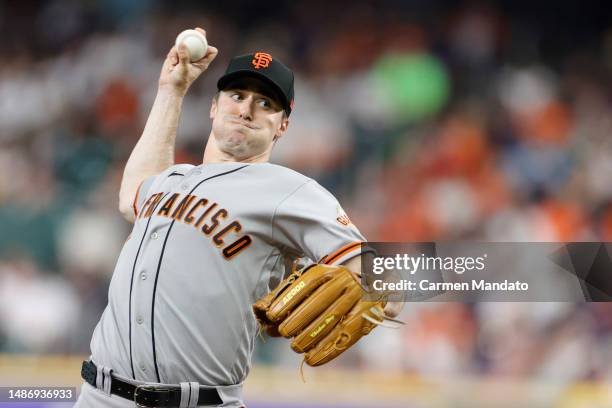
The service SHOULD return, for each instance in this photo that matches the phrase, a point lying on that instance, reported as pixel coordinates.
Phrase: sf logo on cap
(261, 60)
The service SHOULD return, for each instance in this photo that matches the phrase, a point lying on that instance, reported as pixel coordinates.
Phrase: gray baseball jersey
(208, 241)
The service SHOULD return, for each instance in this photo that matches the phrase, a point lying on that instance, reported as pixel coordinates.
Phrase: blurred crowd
(429, 120)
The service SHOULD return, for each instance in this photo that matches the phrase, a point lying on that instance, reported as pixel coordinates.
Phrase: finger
(173, 56)
(393, 309)
(183, 54)
(203, 31)
(211, 54)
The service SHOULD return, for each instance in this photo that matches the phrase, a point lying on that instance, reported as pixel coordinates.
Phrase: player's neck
(213, 154)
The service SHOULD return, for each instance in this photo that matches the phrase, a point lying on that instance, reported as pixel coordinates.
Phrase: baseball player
(207, 242)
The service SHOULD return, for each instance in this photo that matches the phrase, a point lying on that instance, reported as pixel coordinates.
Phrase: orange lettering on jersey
(165, 210)
(218, 238)
(189, 217)
(182, 207)
(214, 221)
(203, 216)
(237, 246)
(154, 204)
(146, 205)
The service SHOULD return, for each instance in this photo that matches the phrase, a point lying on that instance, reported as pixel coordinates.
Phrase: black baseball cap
(263, 66)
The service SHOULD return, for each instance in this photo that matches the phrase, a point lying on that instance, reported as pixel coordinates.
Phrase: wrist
(171, 92)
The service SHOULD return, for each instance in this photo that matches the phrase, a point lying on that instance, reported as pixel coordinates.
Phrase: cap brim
(228, 78)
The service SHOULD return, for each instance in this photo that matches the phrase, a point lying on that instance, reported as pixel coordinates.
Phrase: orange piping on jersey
(341, 252)
(136, 200)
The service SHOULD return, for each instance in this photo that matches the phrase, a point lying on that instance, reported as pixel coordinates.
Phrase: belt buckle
(148, 388)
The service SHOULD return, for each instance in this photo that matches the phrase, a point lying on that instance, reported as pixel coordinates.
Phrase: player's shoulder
(174, 171)
(177, 170)
(285, 172)
(291, 182)
(280, 173)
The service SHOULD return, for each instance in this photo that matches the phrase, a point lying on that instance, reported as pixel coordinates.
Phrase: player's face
(247, 119)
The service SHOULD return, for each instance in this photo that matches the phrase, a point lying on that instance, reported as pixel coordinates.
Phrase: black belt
(149, 395)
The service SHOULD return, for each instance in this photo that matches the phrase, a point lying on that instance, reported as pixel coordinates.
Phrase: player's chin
(237, 137)
(235, 144)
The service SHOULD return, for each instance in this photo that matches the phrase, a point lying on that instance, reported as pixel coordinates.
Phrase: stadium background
(431, 120)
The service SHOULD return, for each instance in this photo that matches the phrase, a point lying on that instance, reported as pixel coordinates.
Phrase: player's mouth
(245, 124)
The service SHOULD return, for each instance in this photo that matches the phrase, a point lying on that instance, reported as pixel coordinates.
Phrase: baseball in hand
(196, 43)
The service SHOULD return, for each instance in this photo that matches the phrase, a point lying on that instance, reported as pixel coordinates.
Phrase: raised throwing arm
(154, 151)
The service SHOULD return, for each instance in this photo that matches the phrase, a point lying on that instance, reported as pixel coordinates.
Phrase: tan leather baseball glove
(321, 308)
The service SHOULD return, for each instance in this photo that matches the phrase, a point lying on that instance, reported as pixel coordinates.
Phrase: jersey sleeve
(142, 193)
(311, 222)
(146, 186)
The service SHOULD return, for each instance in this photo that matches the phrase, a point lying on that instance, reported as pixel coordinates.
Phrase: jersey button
(139, 320)
(197, 172)
(154, 235)
(143, 276)
(184, 187)
(143, 368)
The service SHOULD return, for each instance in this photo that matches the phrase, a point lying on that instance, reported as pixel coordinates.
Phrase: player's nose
(246, 108)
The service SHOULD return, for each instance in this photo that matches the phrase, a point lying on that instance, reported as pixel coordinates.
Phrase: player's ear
(213, 109)
(282, 128)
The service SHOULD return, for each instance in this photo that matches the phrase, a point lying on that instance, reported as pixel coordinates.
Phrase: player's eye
(264, 103)
(236, 96)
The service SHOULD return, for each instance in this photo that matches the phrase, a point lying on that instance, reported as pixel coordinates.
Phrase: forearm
(154, 151)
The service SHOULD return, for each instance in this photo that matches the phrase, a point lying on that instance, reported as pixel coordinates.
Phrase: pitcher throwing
(208, 241)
